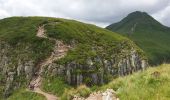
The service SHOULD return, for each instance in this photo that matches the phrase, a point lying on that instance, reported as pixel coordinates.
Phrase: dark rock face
(14, 71)
(99, 69)
(80, 53)
(94, 71)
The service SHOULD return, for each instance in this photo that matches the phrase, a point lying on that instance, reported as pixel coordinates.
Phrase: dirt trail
(48, 96)
(41, 32)
(59, 51)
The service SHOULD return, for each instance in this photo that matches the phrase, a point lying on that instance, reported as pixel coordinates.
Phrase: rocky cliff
(99, 68)
(80, 53)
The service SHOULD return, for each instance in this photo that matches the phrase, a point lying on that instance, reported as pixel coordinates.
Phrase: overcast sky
(99, 12)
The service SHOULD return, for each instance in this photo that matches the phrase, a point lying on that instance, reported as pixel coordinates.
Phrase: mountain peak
(147, 33)
(138, 13)
(139, 16)
(137, 20)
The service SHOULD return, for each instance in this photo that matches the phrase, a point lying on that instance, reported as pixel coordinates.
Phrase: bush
(56, 85)
(83, 91)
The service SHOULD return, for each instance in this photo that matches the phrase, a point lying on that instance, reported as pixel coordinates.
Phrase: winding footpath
(59, 51)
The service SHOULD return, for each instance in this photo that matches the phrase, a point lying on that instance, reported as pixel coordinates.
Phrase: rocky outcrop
(15, 69)
(18, 65)
(109, 94)
(99, 69)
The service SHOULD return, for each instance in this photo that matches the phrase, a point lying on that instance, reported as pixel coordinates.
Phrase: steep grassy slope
(147, 33)
(95, 56)
(20, 32)
(151, 84)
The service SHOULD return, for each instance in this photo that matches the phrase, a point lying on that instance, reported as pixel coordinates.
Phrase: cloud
(100, 12)
(163, 16)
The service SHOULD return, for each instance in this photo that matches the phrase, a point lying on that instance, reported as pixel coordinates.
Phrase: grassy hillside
(151, 84)
(147, 33)
(144, 85)
(20, 35)
(20, 32)
(21, 51)
(140, 86)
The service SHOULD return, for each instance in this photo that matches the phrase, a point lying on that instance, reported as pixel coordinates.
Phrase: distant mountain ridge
(147, 33)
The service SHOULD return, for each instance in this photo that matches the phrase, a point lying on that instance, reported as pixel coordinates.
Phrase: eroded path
(59, 51)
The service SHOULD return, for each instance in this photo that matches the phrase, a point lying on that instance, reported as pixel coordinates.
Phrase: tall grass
(143, 85)
(139, 86)
(54, 85)
(22, 94)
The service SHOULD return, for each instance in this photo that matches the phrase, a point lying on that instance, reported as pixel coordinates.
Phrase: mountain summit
(147, 33)
(135, 22)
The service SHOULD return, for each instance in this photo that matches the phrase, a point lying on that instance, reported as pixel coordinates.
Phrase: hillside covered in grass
(151, 84)
(50, 50)
(147, 33)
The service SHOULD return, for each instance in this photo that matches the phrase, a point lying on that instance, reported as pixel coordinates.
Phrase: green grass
(86, 37)
(54, 85)
(69, 30)
(143, 85)
(149, 35)
(22, 94)
(82, 91)
(19, 33)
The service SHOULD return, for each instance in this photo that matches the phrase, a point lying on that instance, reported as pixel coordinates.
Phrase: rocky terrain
(33, 48)
(109, 94)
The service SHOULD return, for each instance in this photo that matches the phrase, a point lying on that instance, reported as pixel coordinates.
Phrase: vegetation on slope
(147, 33)
(20, 32)
(19, 42)
(151, 84)
(55, 85)
(85, 37)
(22, 94)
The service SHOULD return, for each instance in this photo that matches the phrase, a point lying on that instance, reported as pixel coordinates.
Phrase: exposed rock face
(96, 70)
(10, 79)
(78, 52)
(99, 69)
(109, 94)
(14, 71)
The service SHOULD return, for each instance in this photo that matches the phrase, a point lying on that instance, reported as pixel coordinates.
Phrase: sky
(99, 12)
